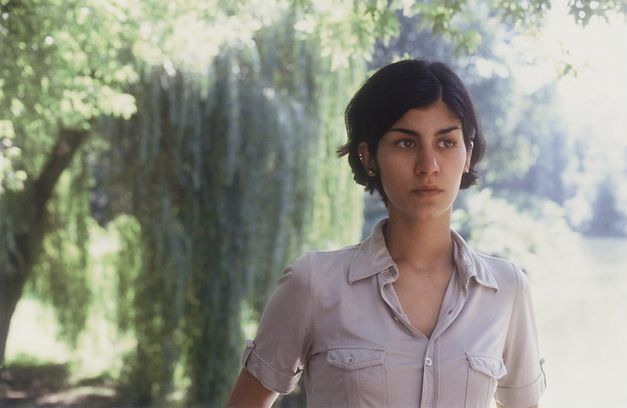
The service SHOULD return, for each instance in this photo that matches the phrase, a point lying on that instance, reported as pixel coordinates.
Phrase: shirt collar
(468, 266)
(372, 257)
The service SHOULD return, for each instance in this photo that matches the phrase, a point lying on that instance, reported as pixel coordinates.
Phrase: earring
(361, 156)
(371, 173)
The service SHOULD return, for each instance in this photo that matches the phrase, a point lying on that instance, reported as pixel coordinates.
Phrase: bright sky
(596, 98)
(592, 101)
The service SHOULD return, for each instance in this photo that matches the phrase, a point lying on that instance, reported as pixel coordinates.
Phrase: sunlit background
(581, 292)
(202, 137)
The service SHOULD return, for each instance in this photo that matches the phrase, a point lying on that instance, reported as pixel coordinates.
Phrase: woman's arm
(248, 392)
(501, 406)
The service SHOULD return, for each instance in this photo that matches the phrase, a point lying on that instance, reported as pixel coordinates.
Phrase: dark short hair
(393, 90)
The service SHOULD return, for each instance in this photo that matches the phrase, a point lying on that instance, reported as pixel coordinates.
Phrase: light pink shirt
(335, 316)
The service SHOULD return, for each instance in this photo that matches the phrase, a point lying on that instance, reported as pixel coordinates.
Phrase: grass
(33, 334)
(43, 371)
(33, 339)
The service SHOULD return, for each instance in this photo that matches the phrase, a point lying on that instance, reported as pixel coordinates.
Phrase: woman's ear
(468, 158)
(365, 158)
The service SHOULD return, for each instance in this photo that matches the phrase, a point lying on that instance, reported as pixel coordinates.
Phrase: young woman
(411, 316)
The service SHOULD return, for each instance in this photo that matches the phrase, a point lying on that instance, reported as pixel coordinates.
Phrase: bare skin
(423, 255)
(421, 297)
(249, 392)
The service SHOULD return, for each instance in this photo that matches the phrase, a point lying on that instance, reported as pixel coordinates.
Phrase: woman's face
(420, 160)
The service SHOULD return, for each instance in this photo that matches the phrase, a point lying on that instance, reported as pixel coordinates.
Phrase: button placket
(430, 372)
(428, 377)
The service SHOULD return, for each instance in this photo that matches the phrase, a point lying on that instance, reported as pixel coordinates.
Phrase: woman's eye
(447, 143)
(406, 143)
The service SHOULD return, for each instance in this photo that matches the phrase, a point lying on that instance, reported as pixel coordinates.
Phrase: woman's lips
(427, 191)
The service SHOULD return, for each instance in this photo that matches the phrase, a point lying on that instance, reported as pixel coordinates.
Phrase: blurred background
(161, 163)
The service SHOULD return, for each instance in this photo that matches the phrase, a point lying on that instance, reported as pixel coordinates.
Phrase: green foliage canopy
(68, 67)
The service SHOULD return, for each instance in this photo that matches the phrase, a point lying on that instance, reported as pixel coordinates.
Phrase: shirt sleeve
(524, 383)
(277, 355)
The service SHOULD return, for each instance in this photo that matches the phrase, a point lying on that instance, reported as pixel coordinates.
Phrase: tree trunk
(22, 227)
(10, 292)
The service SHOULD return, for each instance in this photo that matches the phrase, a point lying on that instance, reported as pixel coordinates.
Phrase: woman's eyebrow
(411, 132)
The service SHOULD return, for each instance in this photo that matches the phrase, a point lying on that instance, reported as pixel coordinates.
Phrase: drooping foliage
(226, 171)
(229, 186)
(58, 71)
(59, 278)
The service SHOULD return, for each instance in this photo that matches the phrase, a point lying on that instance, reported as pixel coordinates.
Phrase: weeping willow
(48, 247)
(59, 276)
(231, 176)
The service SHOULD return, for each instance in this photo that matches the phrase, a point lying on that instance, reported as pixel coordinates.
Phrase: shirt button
(494, 370)
(349, 360)
(428, 362)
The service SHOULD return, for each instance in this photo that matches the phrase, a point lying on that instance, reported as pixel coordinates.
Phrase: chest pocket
(483, 375)
(362, 375)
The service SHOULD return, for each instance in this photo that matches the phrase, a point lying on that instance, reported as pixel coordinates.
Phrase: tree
(57, 74)
(607, 219)
(222, 214)
(547, 136)
(67, 68)
(165, 247)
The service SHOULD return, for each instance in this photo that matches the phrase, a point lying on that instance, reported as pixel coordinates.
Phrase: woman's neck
(423, 245)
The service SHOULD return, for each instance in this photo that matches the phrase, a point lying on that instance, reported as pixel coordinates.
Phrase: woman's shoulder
(494, 271)
(321, 261)
(506, 273)
(494, 261)
(323, 268)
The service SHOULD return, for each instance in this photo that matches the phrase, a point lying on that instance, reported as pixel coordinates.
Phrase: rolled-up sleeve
(525, 382)
(277, 355)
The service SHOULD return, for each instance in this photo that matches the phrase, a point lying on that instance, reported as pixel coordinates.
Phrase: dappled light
(162, 162)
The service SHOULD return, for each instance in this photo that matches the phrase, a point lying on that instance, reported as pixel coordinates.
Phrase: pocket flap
(354, 359)
(490, 366)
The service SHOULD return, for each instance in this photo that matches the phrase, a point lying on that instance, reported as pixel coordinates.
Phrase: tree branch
(58, 160)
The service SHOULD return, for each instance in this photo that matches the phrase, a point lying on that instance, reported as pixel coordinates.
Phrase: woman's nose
(426, 163)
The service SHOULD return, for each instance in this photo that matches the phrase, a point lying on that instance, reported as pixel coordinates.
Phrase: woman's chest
(370, 356)
(421, 298)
